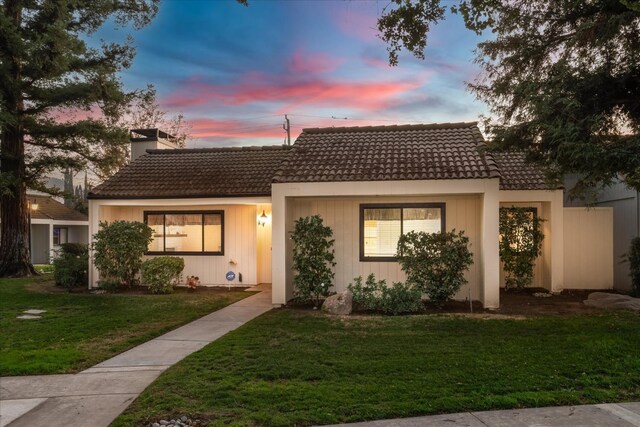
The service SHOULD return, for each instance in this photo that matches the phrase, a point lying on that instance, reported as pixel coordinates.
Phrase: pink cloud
(312, 63)
(206, 128)
(376, 62)
(256, 87)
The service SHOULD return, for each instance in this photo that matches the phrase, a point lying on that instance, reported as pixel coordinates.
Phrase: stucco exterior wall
(241, 240)
(343, 216)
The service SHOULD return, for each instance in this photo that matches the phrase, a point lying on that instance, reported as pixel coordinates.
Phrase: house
(625, 203)
(229, 211)
(53, 224)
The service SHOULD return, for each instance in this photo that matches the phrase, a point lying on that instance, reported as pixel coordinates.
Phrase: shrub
(118, 248)
(71, 266)
(634, 265)
(367, 295)
(401, 298)
(520, 245)
(435, 262)
(162, 273)
(313, 257)
(377, 296)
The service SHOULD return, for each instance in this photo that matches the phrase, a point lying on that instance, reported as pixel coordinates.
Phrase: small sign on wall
(230, 276)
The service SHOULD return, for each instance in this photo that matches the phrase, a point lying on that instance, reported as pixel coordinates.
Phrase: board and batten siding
(588, 248)
(240, 242)
(343, 216)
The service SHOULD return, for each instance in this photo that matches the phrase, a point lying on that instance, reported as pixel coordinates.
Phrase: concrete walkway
(95, 397)
(604, 415)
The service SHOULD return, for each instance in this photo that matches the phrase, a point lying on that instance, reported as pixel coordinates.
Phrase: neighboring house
(52, 224)
(625, 203)
(232, 209)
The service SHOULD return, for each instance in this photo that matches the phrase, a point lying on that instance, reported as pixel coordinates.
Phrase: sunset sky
(234, 71)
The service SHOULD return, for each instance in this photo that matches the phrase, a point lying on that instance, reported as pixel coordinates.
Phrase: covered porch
(214, 236)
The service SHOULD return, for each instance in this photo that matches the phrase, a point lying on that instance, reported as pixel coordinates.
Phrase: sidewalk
(603, 415)
(96, 396)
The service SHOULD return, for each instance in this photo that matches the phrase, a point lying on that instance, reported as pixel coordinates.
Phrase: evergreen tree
(60, 100)
(562, 78)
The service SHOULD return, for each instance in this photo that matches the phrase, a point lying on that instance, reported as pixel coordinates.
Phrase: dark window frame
(401, 206)
(60, 235)
(187, 253)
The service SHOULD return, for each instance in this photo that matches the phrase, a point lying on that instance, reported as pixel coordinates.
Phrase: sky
(235, 71)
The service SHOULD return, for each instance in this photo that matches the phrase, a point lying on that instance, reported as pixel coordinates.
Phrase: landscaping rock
(29, 317)
(612, 301)
(177, 422)
(34, 311)
(340, 304)
(542, 294)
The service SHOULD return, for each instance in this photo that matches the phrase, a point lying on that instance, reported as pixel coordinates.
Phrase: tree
(520, 245)
(562, 79)
(59, 101)
(313, 259)
(142, 111)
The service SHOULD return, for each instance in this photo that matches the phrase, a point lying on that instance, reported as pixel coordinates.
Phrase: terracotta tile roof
(185, 173)
(49, 208)
(373, 153)
(383, 153)
(518, 174)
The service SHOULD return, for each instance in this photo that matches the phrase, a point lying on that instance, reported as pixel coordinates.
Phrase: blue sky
(234, 71)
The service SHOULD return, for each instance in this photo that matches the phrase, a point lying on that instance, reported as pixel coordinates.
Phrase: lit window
(382, 225)
(184, 233)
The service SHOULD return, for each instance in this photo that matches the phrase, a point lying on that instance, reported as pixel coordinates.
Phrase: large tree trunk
(15, 256)
(15, 253)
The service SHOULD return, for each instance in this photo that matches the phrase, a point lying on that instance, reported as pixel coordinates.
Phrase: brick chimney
(150, 139)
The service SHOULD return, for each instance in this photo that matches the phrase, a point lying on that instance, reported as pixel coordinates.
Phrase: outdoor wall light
(263, 218)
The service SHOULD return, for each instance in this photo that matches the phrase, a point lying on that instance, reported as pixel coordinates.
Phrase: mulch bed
(512, 303)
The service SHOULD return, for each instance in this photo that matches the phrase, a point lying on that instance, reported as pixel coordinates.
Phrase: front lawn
(292, 367)
(80, 330)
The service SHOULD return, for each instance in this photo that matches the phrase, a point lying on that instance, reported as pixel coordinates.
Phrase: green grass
(300, 368)
(80, 330)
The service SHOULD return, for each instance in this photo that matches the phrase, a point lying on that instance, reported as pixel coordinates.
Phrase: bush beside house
(162, 273)
(435, 263)
(70, 268)
(313, 260)
(117, 250)
(373, 295)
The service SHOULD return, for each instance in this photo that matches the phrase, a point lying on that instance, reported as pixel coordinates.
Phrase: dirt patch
(44, 287)
(523, 302)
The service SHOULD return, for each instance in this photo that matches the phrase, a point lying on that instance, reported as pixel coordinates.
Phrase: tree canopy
(561, 78)
(60, 100)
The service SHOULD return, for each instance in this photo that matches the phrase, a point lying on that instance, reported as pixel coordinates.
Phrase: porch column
(490, 293)
(50, 251)
(278, 245)
(557, 242)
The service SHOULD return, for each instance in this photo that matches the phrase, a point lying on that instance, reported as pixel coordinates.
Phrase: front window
(382, 225)
(183, 233)
(60, 236)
